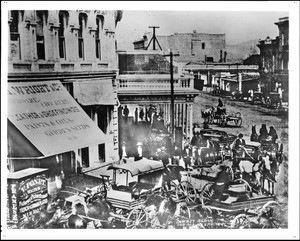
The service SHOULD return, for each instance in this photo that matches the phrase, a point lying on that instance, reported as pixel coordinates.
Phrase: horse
(254, 135)
(269, 170)
(251, 173)
(208, 115)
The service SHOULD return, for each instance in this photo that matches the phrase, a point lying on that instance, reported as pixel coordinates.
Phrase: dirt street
(253, 115)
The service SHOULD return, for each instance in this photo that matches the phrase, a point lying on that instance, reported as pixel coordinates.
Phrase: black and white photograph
(127, 119)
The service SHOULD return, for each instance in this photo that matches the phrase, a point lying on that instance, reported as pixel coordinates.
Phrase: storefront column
(191, 122)
(93, 150)
(186, 120)
(182, 116)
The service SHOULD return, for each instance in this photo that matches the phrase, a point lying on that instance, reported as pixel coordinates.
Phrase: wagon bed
(240, 206)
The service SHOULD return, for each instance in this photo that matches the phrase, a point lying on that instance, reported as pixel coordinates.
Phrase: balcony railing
(152, 83)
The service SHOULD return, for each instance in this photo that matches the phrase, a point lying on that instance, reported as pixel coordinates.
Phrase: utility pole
(154, 39)
(172, 96)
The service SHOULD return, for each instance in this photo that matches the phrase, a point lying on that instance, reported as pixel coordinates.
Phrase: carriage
(147, 178)
(220, 138)
(221, 117)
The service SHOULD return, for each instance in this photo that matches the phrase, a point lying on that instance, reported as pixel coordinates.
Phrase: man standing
(126, 113)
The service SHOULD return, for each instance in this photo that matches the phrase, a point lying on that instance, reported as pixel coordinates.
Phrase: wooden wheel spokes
(137, 218)
(186, 192)
(206, 194)
(238, 114)
(240, 221)
(238, 122)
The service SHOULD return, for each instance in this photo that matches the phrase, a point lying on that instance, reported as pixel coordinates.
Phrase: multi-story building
(144, 84)
(275, 59)
(78, 50)
(195, 46)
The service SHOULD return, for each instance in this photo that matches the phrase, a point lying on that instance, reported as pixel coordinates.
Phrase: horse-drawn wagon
(221, 117)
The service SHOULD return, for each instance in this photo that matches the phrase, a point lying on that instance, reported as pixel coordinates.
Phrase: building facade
(144, 90)
(195, 46)
(227, 77)
(78, 49)
(275, 60)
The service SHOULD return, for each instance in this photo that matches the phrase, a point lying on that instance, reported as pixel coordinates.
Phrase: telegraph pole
(172, 95)
(154, 39)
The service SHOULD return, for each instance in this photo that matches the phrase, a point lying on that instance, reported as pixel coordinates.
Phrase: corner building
(78, 49)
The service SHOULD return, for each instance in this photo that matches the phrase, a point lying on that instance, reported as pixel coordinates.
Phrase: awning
(142, 166)
(95, 92)
(47, 115)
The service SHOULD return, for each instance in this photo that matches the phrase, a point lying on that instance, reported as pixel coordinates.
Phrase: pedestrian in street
(142, 114)
(126, 112)
(136, 113)
(220, 103)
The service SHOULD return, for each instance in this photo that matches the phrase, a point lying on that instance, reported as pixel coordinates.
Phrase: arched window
(15, 49)
(63, 23)
(82, 27)
(41, 18)
(99, 28)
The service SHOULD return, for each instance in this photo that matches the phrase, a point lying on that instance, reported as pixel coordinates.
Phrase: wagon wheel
(240, 221)
(186, 192)
(271, 213)
(206, 193)
(238, 114)
(211, 118)
(155, 223)
(238, 122)
(137, 218)
(223, 120)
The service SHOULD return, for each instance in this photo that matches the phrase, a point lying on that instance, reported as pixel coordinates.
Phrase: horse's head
(253, 129)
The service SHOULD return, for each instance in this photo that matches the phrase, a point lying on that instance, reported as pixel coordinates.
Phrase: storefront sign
(32, 194)
(50, 118)
(27, 194)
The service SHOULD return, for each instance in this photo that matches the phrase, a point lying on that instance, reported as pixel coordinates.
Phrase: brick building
(78, 50)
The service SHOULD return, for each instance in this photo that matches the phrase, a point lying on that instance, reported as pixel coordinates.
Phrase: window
(99, 24)
(82, 26)
(192, 48)
(282, 39)
(15, 49)
(40, 44)
(63, 23)
(203, 45)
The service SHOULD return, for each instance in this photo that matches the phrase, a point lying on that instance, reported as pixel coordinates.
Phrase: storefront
(47, 129)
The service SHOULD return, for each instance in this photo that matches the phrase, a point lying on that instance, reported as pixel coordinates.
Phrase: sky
(239, 26)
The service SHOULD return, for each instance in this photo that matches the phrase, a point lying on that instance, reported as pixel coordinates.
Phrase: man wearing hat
(238, 143)
(221, 182)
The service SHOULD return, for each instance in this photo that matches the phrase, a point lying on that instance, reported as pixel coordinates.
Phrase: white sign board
(50, 118)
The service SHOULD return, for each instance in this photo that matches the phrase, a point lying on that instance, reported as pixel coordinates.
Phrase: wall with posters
(27, 194)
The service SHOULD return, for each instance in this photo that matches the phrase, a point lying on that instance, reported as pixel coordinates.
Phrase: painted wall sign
(50, 118)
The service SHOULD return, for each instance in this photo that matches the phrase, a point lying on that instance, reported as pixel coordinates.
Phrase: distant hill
(241, 51)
